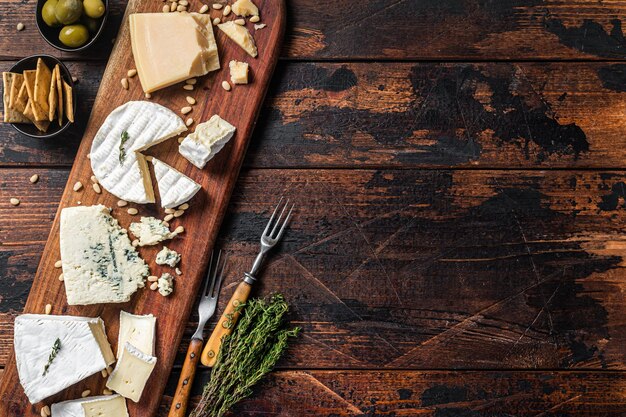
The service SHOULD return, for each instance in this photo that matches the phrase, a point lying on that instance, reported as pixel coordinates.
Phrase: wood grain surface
(240, 107)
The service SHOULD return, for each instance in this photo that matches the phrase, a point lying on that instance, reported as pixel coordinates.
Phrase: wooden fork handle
(181, 397)
(226, 324)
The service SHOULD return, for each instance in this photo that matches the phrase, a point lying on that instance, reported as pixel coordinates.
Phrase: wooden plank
(413, 115)
(388, 29)
(240, 107)
(416, 269)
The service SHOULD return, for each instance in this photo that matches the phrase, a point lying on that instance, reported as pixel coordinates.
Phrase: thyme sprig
(53, 354)
(247, 355)
(123, 138)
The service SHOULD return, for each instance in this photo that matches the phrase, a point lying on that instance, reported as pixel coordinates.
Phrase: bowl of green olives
(71, 25)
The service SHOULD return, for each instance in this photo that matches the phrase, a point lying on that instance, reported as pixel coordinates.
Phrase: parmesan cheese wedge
(241, 36)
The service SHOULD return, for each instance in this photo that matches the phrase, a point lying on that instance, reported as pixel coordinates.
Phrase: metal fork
(206, 309)
(270, 237)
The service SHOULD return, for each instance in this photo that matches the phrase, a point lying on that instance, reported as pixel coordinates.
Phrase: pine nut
(79, 202)
(217, 6)
(34, 178)
(179, 230)
(255, 19)
(78, 186)
(85, 393)
(179, 213)
(168, 217)
(216, 21)
(20, 27)
(185, 110)
(153, 278)
(188, 87)
(225, 85)
(189, 122)
(125, 83)
(154, 286)
(15, 201)
(122, 203)
(166, 224)
(173, 6)
(45, 411)
(226, 10)
(94, 179)
(183, 206)
(107, 391)
(181, 139)
(132, 72)
(191, 81)
(48, 308)
(190, 100)
(135, 243)
(183, 2)
(178, 271)
(240, 22)
(96, 188)
(104, 373)
(74, 79)
(166, 8)
(58, 264)
(109, 369)
(169, 210)
(61, 278)
(132, 211)
(204, 8)
(148, 95)
(180, 8)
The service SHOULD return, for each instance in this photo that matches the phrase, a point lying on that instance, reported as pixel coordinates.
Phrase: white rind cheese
(175, 188)
(241, 36)
(121, 168)
(100, 265)
(206, 141)
(83, 351)
(166, 256)
(131, 373)
(139, 331)
(97, 406)
(150, 231)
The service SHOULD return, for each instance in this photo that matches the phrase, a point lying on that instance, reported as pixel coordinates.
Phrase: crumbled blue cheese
(167, 257)
(166, 284)
(150, 231)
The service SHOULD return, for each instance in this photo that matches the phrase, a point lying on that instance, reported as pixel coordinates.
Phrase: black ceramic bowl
(51, 35)
(30, 63)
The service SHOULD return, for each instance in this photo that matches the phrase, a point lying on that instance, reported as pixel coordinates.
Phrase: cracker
(41, 125)
(22, 98)
(42, 90)
(69, 101)
(59, 95)
(18, 80)
(52, 95)
(10, 115)
(29, 79)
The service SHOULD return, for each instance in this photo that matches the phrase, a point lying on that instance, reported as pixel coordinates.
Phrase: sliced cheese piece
(240, 35)
(175, 188)
(139, 331)
(100, 265)
(172, 47)
(245, 8)
(97, 406)
(83, 351)
(238, 72)
(131, 373)
(206, 141)
(150, 231)
(118, 163)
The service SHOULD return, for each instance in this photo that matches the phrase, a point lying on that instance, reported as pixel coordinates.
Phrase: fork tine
(215, 268)
(278, 219)
(272, 218)
(207, 280)
(220, 278)
(282, 229)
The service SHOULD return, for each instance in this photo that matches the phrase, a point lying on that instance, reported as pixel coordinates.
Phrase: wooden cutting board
(202, 220)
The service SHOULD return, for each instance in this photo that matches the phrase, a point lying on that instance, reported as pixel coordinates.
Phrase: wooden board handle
(181, 397)
(226, 324)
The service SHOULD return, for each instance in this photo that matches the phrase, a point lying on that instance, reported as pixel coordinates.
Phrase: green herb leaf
(123, 139)
(55, 349)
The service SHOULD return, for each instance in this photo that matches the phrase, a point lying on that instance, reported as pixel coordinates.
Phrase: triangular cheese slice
(83, 350)
(175, 188)
(116, 158)
(100, 406)
(131, 373)
(138, 331)
(241, 36)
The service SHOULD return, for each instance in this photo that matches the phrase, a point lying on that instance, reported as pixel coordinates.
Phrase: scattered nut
(169, 210)
(226, 10)
(190, 100)
(204, 8)
(179, 213)
(45, 411)
(85, 393)
(132, 72)
(58, 264)
(109, 369)
(180, 8)
(178, 271)
(183, 2)
(153, 278)
(74, 79)
(20, 27)
(132, 211)
(179, 230)
(94, 179)
(166, 224)
(225, 85)
(166, 8)
(191, 81)
(107, 391)
(183, 206)
(15, 201)
(217, 6)
(255, 19)
(122, 203)
(185, 110)
(173, 6)
(125, 83)
(180, 140)
(148, 95)
(168, 217)
(78, 186)
(34, 178)
(188, 87)
(216, 21)
(96, 188)
(189, 122)
(154, 286)
(240, 22)
(61, 278)
(135, 243)
(48, 308)
(104, 373)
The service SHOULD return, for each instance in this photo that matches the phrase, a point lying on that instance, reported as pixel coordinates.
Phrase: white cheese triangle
(97, 406)
(131, 373)
(121, 168)
(175, 188)
(137, 330)
(84, 350)
(206, 141)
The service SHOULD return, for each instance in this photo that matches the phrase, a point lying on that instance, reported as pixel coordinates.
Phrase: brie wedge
(98, 406)
(81, 346)
(116, 152)
(139, 331)
(131, 373)
(100, 265)
(175, 188)
(150, 231)
(206, 141)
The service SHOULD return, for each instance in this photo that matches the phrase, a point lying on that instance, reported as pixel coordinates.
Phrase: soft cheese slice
(240, 35)
(172, 47)
(175, 188)
(131, 372)
(100, 265)
(121, 168)
(150, 231)
(138, 331)
(206, 141)
(97, 406)
(84, 350)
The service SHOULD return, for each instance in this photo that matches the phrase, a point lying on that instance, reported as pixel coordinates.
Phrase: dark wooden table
(458, 165)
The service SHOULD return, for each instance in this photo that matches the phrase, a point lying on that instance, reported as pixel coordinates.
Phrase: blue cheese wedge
(100, 265)
(206, 141)
(175, 188)
(97, 406)
(167, 256)
(138, 330)
(150, 231)
(165, 284)
(116, 154)
(131, 373)
(81, 350)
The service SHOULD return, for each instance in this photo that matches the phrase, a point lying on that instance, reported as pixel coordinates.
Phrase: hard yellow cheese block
(172, 47)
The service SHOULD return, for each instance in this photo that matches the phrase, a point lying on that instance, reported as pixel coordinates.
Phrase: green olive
(74, 35)
(68, 11)
(93, 8)
(47, 13)
(92, 24)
